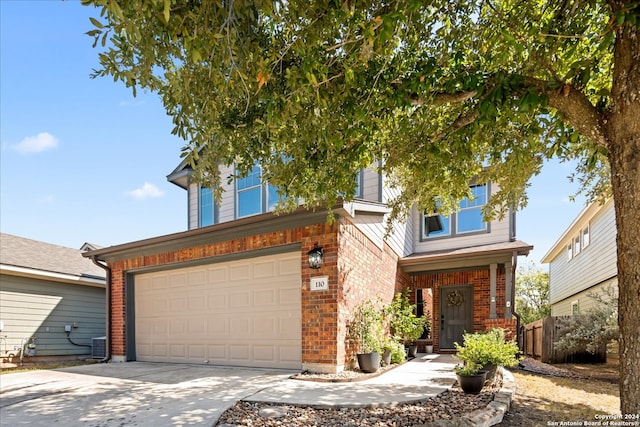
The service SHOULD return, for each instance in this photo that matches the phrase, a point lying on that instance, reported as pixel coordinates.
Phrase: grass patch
(542, 399)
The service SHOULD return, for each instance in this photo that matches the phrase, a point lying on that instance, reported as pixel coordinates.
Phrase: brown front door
(456, 314)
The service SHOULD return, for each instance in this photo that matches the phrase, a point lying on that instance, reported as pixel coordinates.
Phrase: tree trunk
(623, 134)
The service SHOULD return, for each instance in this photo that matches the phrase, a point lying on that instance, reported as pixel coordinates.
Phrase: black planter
(369, 362)
(472, 384)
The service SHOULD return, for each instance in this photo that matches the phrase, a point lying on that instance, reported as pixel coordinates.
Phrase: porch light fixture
(315, 256)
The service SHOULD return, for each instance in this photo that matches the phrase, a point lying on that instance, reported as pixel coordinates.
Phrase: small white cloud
(147, 191)
(35, 144)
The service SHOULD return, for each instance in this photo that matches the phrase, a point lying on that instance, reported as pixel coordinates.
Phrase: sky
(82, 160)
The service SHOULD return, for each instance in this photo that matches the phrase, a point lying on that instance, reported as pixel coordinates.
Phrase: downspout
(108, 310)
(514, 265)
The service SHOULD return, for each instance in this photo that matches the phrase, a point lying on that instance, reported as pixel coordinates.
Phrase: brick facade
(480, 280)
(357, 269)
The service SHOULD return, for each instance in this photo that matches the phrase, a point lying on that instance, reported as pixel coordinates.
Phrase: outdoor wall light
(315, 256)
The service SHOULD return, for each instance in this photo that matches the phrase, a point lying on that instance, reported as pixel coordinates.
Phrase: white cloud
(35, 144)
(145, 192)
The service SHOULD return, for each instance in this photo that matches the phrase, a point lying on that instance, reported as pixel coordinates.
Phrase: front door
(456, 314)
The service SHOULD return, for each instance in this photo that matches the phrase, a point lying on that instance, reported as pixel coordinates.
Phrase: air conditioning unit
(99, 347)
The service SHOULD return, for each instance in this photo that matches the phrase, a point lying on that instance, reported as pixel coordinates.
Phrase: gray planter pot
(369, 362)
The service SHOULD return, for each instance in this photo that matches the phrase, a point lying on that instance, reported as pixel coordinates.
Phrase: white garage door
(241, 313)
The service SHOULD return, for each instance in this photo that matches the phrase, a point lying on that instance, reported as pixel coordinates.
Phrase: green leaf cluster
(593, 330)
(405, 326)
(487, 348)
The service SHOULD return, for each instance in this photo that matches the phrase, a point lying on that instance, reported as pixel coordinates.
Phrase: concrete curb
(491, 414)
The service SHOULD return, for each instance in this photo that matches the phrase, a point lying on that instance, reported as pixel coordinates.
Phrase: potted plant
(470, 378)
(488, 350)
(405, 326)
(367, 330)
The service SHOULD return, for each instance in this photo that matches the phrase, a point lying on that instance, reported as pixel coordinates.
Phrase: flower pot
(472, 384)
(491, 370)
(386, 358)
(369, 362)
(412, 351)
(428, 349)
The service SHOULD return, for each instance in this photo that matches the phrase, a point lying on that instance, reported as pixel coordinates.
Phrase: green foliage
(429, 89)
(532, 294)
(398, 353)
(367, 328)
(489, 348)
(593, 330)
(404, 324)
(468, 369)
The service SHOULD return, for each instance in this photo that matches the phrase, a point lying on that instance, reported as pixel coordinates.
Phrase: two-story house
(240, 286)
(583, 260)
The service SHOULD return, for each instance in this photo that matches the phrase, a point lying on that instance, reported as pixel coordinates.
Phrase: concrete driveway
(128, 394)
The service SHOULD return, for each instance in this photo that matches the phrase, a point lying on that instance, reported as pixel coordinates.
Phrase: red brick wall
(357, 269)
(480, 279)
(366, 271)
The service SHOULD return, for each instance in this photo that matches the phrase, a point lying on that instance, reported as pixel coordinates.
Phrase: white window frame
(570, 250)
(586, 236)
(576, 244)
(453, 220)
(575, 307)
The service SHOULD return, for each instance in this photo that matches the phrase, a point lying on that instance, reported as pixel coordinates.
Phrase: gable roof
(33, 257)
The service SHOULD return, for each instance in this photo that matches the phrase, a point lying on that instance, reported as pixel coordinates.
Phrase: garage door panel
(245, 313)
(240, 272)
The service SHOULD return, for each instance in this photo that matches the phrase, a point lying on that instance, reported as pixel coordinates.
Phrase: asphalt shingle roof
(26, 253)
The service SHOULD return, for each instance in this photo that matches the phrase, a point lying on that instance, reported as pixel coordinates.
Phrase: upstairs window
(470, 213)
(207, 208)
(468, 219)
(253, 196)
(585, 237)
(570, 251)
(576, 245)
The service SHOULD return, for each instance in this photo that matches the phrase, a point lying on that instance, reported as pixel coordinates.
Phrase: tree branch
(576, 109)
(444, 98)
(460, 122)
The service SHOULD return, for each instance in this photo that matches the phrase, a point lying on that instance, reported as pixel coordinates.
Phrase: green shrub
(366, 328)
(489, 348)
(404, 324)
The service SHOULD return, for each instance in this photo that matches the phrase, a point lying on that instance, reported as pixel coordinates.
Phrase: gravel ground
(447, 405)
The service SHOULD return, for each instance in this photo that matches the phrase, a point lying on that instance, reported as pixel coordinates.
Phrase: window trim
(214, 207)
(569, 251)
(453, 221)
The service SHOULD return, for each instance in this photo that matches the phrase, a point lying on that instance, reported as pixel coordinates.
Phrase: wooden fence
(540, 336)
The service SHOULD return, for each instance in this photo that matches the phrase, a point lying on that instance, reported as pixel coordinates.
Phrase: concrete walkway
(425, 376)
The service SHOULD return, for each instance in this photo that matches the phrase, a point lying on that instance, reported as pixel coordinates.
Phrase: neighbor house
(238, 288)
(44, 289)
(583, 260)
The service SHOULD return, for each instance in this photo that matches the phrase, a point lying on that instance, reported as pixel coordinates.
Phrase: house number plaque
(319, 283)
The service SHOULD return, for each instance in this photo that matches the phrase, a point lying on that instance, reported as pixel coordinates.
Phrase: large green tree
(532, 293)
(436, 93)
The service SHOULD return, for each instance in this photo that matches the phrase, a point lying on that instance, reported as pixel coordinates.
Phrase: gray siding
(31, 307)
(402, 237)
(594, 264)
(583, 299)
(499, 232)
